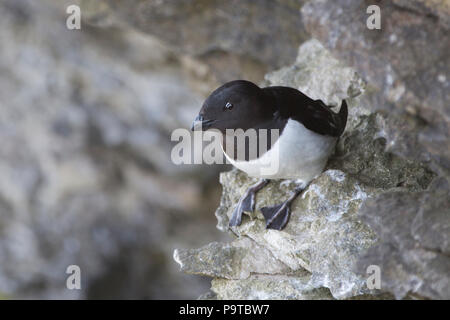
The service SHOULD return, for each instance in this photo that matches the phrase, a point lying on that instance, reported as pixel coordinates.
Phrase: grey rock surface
(237, 38)
(436, 8)
(413, 251)
(406, 64)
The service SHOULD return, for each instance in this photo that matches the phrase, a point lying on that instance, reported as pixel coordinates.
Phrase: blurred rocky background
(85, 171)
(86, 176)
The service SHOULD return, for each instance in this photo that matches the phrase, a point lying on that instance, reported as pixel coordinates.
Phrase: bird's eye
(229, 106)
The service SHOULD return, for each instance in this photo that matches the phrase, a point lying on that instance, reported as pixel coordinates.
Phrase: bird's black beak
(201, 124)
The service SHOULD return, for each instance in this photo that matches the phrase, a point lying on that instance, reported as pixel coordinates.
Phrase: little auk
(308, 132)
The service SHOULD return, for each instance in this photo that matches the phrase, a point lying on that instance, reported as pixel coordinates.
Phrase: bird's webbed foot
(247, 202)
(277, 216)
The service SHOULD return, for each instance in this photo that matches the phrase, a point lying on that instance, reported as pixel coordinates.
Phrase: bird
(308, 131)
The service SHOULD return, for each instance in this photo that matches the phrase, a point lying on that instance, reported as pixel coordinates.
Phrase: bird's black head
(237, 104)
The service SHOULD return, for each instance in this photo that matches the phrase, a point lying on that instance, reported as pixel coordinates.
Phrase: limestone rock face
(437, 8)
(414, 246)
(322, 253)
(237, 38)
(406, 65)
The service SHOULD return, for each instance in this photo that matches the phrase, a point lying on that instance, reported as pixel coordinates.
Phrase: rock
(413, 252)
(238, 39)
(325, 237)
(313, 238)
(441, 9)
(406, 65)
(237, 260)
(86, 176)
(298, 286)
(319, 75)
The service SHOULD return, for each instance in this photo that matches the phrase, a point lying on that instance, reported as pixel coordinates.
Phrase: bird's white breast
(298, 153)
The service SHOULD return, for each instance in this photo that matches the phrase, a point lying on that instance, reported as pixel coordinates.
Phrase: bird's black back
(313, 114)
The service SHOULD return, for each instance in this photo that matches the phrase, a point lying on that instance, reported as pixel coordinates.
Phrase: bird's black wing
(313, 114)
